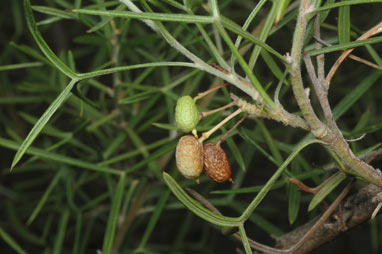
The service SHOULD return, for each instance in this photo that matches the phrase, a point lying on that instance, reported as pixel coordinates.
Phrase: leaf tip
(14, 162)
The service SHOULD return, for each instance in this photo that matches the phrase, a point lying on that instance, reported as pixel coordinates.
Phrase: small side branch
(320, 59)
(321, 91)
(279, 115)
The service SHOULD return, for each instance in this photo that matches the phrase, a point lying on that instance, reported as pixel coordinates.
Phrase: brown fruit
(189, 157)
(216, 164)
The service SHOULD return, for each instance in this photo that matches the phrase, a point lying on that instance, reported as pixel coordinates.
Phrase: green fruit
(186, 114)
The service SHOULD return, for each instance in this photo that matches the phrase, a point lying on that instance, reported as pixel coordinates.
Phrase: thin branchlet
(279, 115)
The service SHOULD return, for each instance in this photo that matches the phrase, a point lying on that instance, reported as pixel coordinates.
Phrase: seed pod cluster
(186, 114)
(216, 164)
(189, 157)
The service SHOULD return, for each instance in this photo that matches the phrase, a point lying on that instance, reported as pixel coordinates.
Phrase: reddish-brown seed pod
(216, 164)
(189, 157)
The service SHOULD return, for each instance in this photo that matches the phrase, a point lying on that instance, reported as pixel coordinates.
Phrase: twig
(376, 211)
(204, 201)
(371, 156)
(365, 62)
(320, 59)
(206, 135)
(207, 113)
(221, 139)
(308, 189)
(201, 95)
(371, 32)
(321, 91)
(351, 56)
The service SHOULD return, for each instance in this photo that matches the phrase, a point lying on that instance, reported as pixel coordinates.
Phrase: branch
(329, 134)
(318, 129)
(356, 209)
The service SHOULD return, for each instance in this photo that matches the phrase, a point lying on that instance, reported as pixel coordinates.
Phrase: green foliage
(88, 121)
(326, 189)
